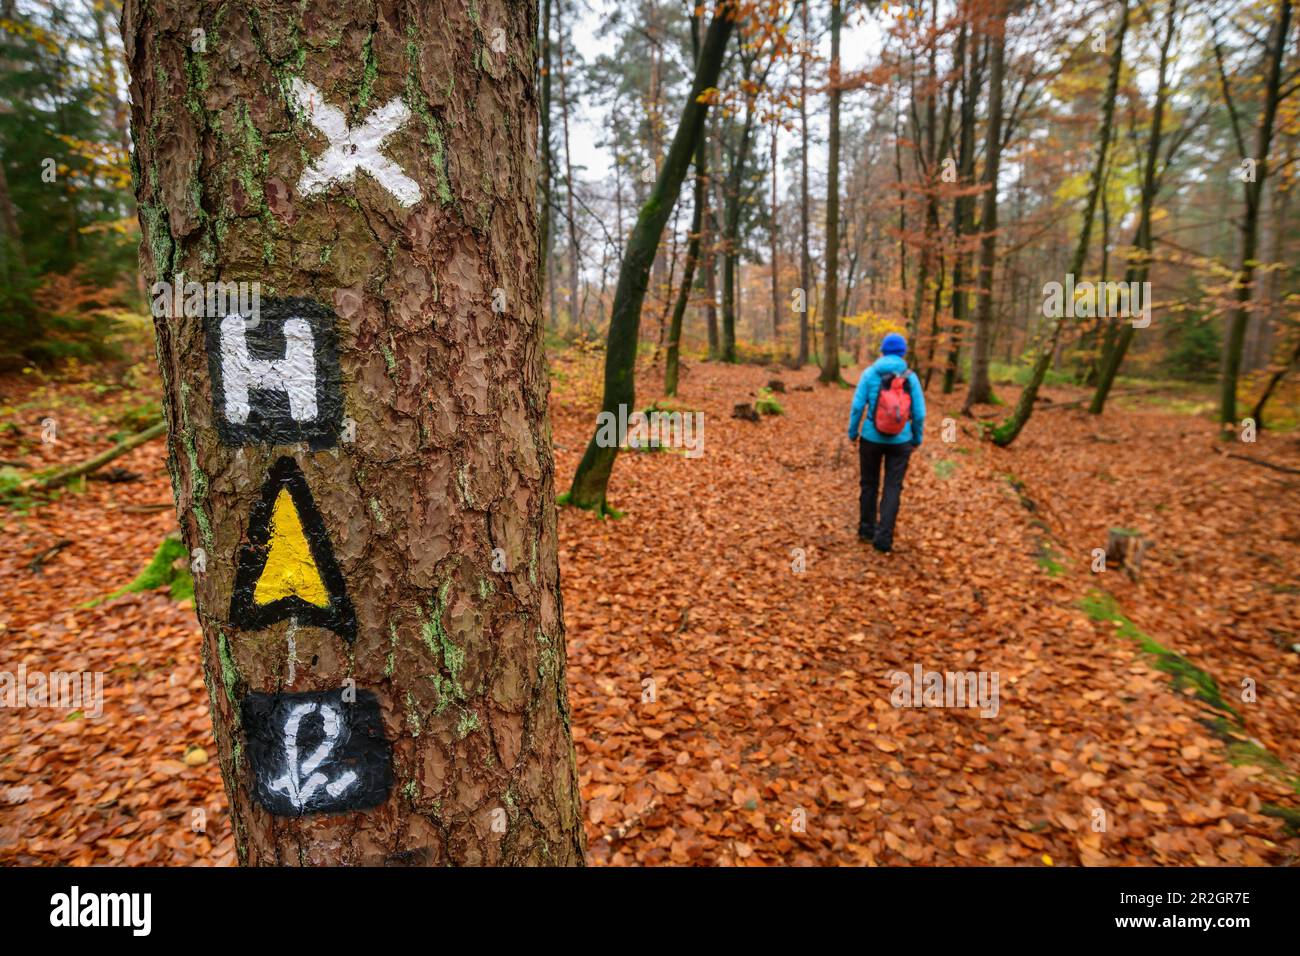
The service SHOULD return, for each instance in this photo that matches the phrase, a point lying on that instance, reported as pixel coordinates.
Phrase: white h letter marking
(295, 374)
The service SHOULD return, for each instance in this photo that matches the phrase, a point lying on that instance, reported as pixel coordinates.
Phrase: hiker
(891, 396)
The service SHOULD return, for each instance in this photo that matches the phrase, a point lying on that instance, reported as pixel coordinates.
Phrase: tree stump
(1124, 549)
(776, 385)
(746, 411)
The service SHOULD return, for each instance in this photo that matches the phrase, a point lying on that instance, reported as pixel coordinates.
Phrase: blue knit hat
(893, 344)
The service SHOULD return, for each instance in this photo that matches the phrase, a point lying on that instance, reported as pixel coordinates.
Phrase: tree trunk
(547, 175)
(1253, 189)
(591, 481)
(1007, 432)
(575, 271)
(830, 304)
(378, 593)
(980, 391)
(731, 225)
(773, 235)
(673, 359)
(969, 69)
(805, 258)
(1138, 270)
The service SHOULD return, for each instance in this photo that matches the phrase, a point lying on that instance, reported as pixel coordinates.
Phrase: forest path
(772, 688)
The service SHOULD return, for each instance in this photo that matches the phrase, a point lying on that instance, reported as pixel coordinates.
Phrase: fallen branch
(38, 562)
(99, 461)
(146, 509)
(1286, 469)
(1084, 401)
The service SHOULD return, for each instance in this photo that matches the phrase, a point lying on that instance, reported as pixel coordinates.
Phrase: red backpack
(894, 404)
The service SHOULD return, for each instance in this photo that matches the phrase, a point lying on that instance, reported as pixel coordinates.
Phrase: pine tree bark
(420, 514)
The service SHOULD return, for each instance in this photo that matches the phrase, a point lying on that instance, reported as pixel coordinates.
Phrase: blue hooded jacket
(864, 399)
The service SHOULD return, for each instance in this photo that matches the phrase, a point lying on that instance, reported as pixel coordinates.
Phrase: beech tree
(591, 480)
(1252, 190)
(361, 462)
(980, 390)
(831, 304)
(1009, 429)
(1139, 267)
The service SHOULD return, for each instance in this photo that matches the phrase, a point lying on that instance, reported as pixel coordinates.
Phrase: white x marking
(353, 148)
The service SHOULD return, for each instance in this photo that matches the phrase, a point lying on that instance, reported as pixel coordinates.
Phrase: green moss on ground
(945, 468)
(767, 403)
(1100, 606)
(161, 571)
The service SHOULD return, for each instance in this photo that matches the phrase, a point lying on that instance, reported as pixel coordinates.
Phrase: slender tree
(1007, 432)
(547, 176)
(830, 304)
(805, 258)
(980, 390)
(575, 270)
(673, 359)
(591, 481)
(773, 235)
(970, 69)
(1140, 260)
(1252, 189)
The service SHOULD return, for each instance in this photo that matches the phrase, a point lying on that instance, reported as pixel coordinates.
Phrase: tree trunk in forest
(1252, 189)
(805, 258)
(361, 460)
(830, 304)
(710, 281)
(1007, 432)
(575, 271)
(591, 481)
(980, 391)
(673, 360)
(1092, 341)
(969, 69)
(15, 260)
(109, 64)
(547, 174)
(731, 242)
(773, 235)
(1140, 267)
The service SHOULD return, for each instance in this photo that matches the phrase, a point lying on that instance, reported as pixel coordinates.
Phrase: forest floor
(731, 642)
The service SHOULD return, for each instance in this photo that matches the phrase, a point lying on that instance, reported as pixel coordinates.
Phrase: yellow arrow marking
(290, 569)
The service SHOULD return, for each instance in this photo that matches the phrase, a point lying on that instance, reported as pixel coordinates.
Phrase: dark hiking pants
(895, 457)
